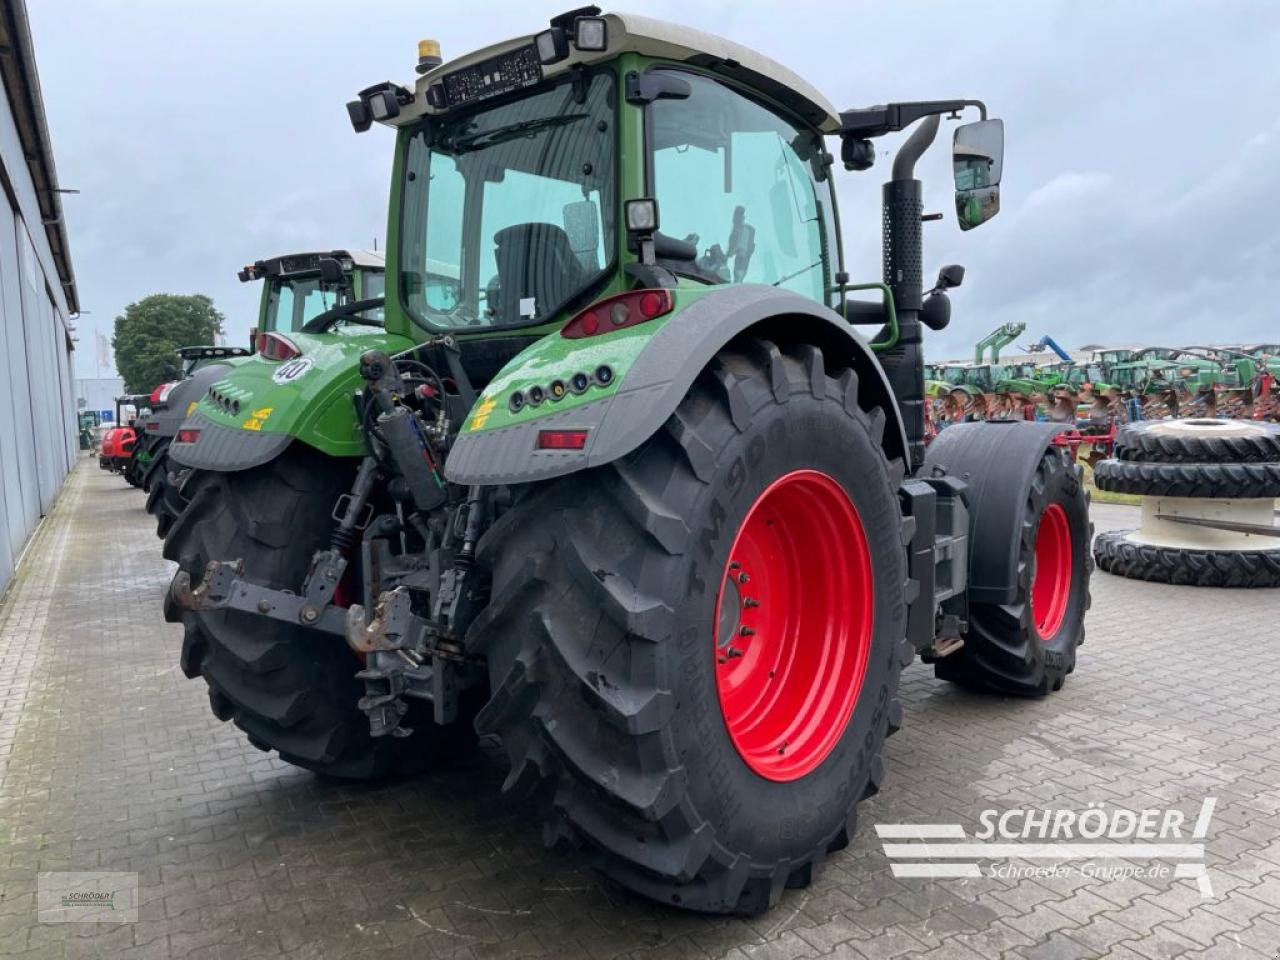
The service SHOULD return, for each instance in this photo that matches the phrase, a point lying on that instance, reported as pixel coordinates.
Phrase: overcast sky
(1141, 190)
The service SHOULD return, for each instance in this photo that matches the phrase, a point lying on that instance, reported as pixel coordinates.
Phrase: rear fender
(258, 407)
(997, 461)
(183, 398)
(498, 445)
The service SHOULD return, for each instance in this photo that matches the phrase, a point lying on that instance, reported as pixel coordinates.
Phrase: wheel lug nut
(734, 565)
(743, 578)
(746, 632)
(751, 602)
(733, 652)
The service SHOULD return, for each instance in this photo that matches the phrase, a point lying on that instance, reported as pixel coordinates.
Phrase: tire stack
(1207, 487)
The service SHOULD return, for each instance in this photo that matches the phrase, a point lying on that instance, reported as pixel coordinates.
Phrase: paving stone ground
(111, 760)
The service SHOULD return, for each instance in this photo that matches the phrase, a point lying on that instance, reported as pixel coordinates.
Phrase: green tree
(149, 332)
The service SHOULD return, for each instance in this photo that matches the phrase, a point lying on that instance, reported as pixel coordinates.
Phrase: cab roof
(308, 262)
(630, 33)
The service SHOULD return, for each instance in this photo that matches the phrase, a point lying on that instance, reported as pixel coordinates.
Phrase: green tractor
(619, 481)
(296, 289)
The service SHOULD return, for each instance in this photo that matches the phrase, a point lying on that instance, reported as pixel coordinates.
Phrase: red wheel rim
(1051, 585)
(792, 629)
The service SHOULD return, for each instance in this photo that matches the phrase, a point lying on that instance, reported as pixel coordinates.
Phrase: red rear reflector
(273, 346)
(153, 425)
(188, 436)
(618, 312)
(562, 439)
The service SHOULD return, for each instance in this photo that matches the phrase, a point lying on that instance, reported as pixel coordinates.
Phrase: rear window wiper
(345, 313)
(477, 141)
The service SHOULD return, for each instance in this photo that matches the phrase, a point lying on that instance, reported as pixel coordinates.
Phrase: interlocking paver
(110, 759)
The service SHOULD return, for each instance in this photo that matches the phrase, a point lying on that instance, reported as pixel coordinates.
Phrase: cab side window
(735, 180)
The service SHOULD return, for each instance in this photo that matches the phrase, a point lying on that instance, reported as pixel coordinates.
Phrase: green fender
(260, 407)
(652, 367)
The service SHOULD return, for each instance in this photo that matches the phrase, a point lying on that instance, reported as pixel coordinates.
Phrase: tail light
(161, 393)
(562, 439)
(274, 346)
(188, 436)
(617, 312)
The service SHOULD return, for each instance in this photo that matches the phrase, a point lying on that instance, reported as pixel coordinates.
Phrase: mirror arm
(865, 122)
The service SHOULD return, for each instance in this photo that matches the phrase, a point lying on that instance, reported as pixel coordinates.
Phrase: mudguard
(648, 384)
(256, 407)
(183, 397)
(997, 461)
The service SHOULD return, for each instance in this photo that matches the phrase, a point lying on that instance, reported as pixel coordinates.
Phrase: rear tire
(1117, 553)
(289, 689)
(1028, 647)
(602, 640)
(164, 499)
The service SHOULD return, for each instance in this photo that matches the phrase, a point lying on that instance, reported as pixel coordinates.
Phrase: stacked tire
(1209, 490)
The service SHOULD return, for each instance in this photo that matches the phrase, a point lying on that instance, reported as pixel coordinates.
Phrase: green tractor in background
(296, 289)
(619, 481)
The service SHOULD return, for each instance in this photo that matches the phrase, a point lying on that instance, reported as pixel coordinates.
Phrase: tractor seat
(537, 270)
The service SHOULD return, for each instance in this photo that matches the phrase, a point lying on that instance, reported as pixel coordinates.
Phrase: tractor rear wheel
(159, 463)
(694, 652)
(164, 499)
(1027, 647)
(290, 689)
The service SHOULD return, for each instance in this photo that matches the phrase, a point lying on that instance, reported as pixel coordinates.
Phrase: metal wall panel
(37, 409)
(21, 481)
(13, 518)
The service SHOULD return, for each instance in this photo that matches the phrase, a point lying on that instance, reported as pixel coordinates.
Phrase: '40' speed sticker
(291, 370)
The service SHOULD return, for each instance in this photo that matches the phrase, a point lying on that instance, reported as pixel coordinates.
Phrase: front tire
(288, 688)
(608, 648)
(1027, 647)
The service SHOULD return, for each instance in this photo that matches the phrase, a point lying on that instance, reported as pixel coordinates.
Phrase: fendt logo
(1087, 842)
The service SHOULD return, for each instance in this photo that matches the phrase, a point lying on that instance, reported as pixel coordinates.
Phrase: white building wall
(37, 398)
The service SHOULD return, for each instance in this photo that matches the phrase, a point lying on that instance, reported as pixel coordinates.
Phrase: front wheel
(1028, 646)
(695, 651)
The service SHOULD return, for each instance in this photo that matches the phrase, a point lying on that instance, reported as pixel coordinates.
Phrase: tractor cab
(194, 358)
(300, 287)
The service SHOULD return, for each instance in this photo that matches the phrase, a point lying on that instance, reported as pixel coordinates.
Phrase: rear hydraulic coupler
(403, 434)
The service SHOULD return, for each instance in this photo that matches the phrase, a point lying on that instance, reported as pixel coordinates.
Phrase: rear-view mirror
(330, 270)
(977, 159)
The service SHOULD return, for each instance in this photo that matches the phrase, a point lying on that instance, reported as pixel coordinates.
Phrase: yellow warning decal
(191, 406)
(480, 415)
(257, 418)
